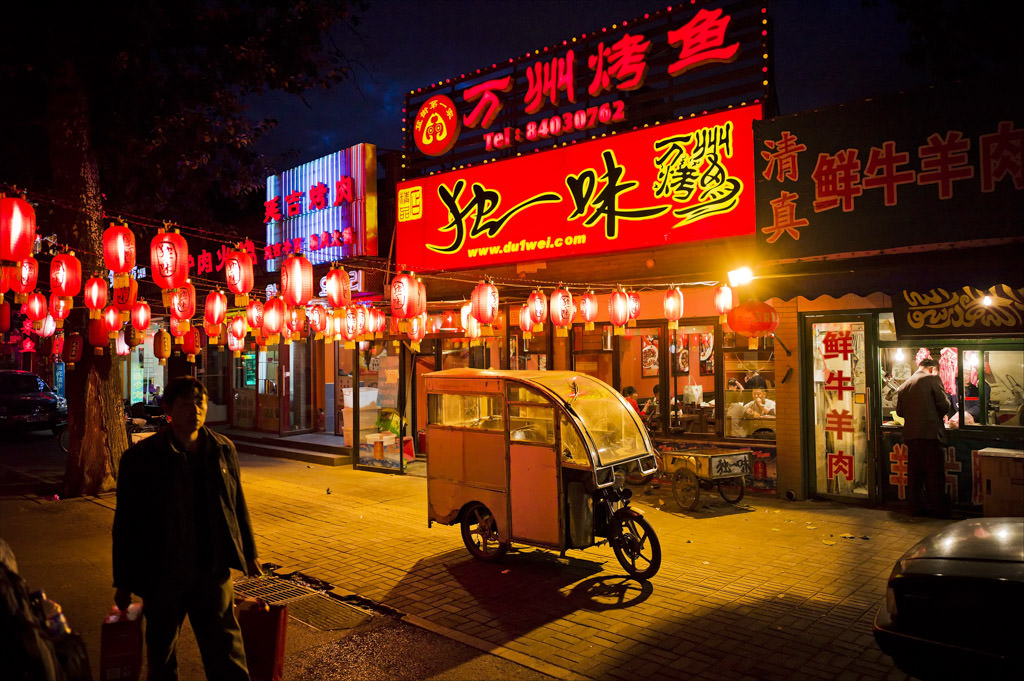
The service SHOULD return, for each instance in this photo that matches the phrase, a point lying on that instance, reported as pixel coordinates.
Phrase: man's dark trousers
(209, 606)
(926, 470)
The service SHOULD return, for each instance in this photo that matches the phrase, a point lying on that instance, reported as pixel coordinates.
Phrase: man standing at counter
(923, 404)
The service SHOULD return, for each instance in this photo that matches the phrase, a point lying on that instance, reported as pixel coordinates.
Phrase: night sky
(826, 52)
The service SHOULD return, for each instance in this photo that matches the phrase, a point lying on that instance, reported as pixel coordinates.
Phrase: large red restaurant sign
(669, 184)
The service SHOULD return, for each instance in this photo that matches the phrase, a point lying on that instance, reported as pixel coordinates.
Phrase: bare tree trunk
(95, 408)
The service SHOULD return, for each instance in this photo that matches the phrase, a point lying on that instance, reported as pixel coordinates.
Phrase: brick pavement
(767, 590)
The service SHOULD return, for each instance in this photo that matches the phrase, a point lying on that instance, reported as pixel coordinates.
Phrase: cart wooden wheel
(686, 488)
(731, 489)
(480, 533)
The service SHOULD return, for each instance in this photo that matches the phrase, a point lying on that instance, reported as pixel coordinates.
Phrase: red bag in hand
(263, 633)
(121, 644)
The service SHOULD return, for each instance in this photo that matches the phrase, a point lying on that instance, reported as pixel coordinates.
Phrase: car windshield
(616, 431)
(18, 384)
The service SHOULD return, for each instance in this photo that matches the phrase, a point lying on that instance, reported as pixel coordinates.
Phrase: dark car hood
(999, 539)
(26, 399)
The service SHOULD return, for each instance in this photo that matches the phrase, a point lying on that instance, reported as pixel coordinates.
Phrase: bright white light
(899, 356)
(743, 275)
(987, 301)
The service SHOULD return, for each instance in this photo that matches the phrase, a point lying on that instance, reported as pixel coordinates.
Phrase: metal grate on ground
(304, 604)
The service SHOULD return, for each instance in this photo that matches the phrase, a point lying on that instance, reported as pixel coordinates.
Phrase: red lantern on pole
(179, 327)
(254, 314)
(119, 252)
(23, 278)
(214, 333)
(5, 316)
(588, 309)
(236, 327)
(168, 255)
(183, 302)
(216, 308)
(60, 308)
(35, 309)
(538, 303)
(525, 322)
(95, 296)
(191, 344)
(404, 296)
(133, 337)
(417, 330)
(66, 275)
(57, 348)
(48, 327)
(238, 274)
(124, 298)
(618, 310)
(141, 315)
(753, 319)
(162, 346)
(725, 300)
(121, 345)
(98, 337)
(296, 280)
(235, 345)
(339, 288)
(112, 321)
(17, 229)
(5, 279)
(634, 307)
(318, 320)
(273, 317)
(562, 311)
(73, 346)
(673, 307)
(483, 304)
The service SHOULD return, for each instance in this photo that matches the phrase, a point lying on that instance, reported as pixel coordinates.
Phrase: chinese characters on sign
(839, 399)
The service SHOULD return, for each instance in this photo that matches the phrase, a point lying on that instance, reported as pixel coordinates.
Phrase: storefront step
(316, 448)
(307, 455)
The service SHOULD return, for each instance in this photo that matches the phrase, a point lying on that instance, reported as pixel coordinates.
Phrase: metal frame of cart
(694, 469)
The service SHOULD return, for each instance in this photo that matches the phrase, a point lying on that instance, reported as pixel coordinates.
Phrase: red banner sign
(685, 181)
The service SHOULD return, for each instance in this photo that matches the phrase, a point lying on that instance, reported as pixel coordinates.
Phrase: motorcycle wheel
(732, 489)
(637, 547)
(686, 489)
(62, 438)
(480, 533)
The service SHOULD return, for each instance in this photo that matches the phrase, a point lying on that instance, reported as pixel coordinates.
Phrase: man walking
(923, 404)
(181, 523)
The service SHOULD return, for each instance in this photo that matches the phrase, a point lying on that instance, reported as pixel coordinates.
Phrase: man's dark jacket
(154, 538)
(922, 402)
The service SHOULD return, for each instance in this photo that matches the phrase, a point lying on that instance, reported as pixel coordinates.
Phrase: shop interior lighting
(741, 276)
(899, 356)
(987, 301)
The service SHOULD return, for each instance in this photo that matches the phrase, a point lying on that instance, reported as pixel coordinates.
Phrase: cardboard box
(1002, 481)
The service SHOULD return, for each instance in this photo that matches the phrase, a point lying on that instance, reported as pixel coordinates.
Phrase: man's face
(188, 413)
(759, 395)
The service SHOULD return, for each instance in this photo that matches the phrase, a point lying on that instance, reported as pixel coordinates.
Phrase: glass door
(840, 383)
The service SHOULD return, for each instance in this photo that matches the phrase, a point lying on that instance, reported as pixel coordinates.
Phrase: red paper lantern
(634, 307)
(296, 280)
(121, 345)
(133, 337)
(588, 309)
(168, 256)
(214, 333)
(404, 296)
(236, 327)
(235, 345)
(725, 300)
(753, 319)
(538, 303)
(65, 275)
(238, 275)
(191, 344)
(183, 302)
(141, 315)
(73, 346)
(318, 320)
(618, 310)
(162, 346)
(483, 304)
(5, 316)
(35, 308)
(95, 296)
(57, 349)
(254, 314)
(417, 330)
(60, 308)
(216, 307)
(48, 327)
(673, 307)
(5, 278)
(112, 321)
(295, 320)
(99, 339)
(273, 317)
(124, 298)
(17, 229)
(562, 311)
(339, 288)
(376, 320)
(23, 278)
(119, 252)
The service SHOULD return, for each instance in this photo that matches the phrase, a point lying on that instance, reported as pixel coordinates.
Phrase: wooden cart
(691, 470)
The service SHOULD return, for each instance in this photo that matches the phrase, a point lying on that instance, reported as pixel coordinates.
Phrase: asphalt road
(63, 547)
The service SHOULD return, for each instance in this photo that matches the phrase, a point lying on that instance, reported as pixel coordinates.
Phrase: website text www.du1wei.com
(525, 245)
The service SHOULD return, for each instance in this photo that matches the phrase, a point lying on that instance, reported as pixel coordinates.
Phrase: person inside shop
(923, 404)
(629, 392)
(972, 405)
(180, 525)
(652, 409)
(755, 380)
(760, 407)
(734, 384)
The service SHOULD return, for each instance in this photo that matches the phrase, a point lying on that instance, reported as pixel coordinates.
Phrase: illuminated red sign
(437, 126)
(684, 181)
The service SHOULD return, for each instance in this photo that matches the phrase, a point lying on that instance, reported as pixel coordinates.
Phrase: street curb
(499, 651)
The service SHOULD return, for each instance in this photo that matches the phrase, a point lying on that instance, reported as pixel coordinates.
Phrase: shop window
(592, 351)
(692, 371)
(640, 352)
(465, 411)
(529, 354)
(749, 404)
(1003, 381)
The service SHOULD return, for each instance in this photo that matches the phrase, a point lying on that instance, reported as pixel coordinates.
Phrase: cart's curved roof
(518, 374)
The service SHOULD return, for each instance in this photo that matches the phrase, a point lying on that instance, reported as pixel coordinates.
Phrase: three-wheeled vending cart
(537, 457)
(699, 468)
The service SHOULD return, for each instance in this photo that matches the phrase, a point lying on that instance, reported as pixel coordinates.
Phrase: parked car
(954, 601)
(26, 402)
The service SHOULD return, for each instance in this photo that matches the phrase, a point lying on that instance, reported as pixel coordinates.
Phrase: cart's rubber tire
(480, 533)
(636, 546)
(686, 488)
(732, 489)
(62, 438)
